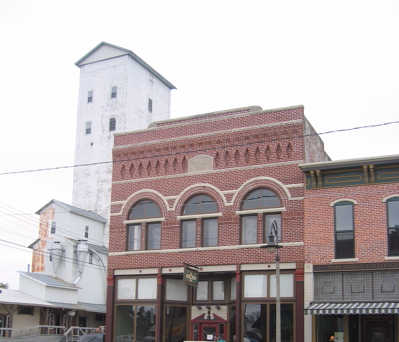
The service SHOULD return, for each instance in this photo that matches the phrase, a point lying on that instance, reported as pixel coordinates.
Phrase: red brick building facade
(352, 250)
(203, 191)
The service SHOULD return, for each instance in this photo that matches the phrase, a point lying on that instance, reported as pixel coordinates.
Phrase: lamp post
(273, 246)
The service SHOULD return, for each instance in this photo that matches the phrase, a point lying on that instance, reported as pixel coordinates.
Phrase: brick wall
(249, 150)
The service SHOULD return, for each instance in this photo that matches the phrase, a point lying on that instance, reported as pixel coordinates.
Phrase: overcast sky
(340, 59)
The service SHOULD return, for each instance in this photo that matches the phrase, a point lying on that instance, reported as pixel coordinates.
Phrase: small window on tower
(53, 227)
(112, 124)
(90, 96)
(88, 127)
(87, 232)
(113, 92)
(151, 79)
(150, 105)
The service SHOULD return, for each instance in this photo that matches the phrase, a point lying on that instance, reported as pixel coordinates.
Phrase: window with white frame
(90, 96)
(344, 230)
(392, 206)
(143, 215)
(199, 211)
(260, 205)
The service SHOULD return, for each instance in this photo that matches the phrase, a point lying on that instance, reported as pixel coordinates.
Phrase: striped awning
(353, 308)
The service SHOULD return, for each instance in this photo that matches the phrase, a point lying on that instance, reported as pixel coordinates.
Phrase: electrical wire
(200, 150)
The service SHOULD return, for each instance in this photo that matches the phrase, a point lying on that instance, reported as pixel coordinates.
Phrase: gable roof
(74, 210)
(116, 51)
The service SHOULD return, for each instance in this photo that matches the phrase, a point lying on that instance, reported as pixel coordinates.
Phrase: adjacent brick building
(352, 250)
(203, 191)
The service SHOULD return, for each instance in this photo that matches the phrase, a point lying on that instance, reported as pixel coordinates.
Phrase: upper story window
(112, 124)
(393, 226)
(201, 208)
(264, 205)
(144, 215)
(53, 227)
(149, 105)
(86, 232)
(344, 230)
(88, 127)
(90, 96)
(114, 91)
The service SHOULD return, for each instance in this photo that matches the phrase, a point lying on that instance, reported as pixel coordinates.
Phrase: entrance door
(378, 331)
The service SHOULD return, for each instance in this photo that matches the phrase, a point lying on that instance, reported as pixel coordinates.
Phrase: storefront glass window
(255, 322)
(218, 290)
(176, 290)
(286, 285)
(255, 285)
(175, 324)
(287, 322)
(126, 289)
(147, 288)
(328, 325)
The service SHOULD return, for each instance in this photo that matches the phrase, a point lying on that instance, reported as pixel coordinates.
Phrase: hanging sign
(190, 276)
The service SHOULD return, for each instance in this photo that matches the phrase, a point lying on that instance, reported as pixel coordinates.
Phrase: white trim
(190, 217)
(343, 200)
(260, 211)
(389, 197)
(345, 260)
(156, 219)
(201, 249)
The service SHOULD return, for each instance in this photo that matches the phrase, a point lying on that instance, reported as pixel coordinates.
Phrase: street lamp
(273, 246)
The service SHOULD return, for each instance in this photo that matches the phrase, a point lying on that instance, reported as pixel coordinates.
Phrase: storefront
(221, 305)
(359, 304)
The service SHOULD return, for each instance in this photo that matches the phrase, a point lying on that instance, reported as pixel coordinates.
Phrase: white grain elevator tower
(118, 92)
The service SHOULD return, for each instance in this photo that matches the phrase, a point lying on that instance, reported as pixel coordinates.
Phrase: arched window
(344, 230)
(202, 206)
(393, 226)
(144, 213)
(267, 203)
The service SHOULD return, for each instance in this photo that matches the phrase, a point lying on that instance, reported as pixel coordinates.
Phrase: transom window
(344, 230)
(144, 210)
(393, 226)
(260, 199)
(199, 205)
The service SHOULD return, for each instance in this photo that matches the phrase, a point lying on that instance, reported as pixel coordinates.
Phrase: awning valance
(353, 308)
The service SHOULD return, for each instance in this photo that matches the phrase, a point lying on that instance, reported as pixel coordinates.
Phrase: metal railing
(58, 332)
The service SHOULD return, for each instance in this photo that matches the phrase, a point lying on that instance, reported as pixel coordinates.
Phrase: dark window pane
(210, 233)
(344, 231)
(344, 246)
(393, 241)
(145, 209)
(200, 204)
(344, 217)
(393, 213)
(249, 229)
(154, 236)
(176, 318)
(112, 124)
(261, 198)
(188, 233)
(268, 227)
(286, 323)
(255, 322)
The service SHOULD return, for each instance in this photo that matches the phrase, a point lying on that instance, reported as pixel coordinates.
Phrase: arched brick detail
(141, 195)
(261, 182)
(197, 189)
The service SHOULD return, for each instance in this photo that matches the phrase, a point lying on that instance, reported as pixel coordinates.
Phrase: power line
(201, 150)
